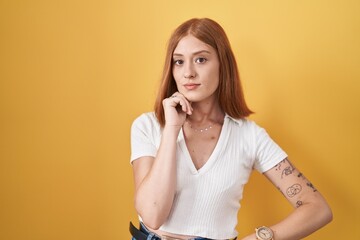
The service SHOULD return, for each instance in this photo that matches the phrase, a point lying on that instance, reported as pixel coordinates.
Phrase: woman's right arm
(155, 178)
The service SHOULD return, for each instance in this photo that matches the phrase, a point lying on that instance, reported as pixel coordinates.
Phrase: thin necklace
(201, 130)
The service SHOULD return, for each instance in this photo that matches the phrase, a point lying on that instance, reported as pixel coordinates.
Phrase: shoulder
(146, 122)
(243, 124)
(246, 130)
(148, 118)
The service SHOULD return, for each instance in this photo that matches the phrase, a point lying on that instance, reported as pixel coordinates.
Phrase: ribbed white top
(207, 200)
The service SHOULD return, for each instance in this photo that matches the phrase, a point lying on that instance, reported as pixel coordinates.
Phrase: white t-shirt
(207, 200)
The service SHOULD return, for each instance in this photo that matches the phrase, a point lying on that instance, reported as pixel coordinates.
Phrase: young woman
(193, 155)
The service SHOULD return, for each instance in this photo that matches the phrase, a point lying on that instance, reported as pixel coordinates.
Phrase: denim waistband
(151, 235)
(154, 236)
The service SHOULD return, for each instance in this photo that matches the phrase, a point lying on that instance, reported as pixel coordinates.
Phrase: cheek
(215, 83)
(175, 72)
(176, 76)
(214, 75)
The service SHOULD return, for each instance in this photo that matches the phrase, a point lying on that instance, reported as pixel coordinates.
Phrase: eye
(201, 60)
(178, 62)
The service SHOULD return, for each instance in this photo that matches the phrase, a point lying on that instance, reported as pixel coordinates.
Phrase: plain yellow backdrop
(75, 74)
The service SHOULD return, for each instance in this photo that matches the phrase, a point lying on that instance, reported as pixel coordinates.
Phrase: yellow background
(74, 75)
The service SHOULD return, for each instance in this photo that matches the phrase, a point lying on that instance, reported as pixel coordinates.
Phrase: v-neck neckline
(214, 154)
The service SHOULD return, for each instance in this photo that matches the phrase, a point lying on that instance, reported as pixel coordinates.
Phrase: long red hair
(230, 93)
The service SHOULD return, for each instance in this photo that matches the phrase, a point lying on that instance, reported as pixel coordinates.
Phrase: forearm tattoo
(293, 190)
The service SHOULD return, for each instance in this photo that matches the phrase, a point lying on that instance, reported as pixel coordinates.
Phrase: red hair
(230, 93)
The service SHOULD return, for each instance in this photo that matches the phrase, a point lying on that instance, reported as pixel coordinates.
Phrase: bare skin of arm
(311, 210)
(155, 178)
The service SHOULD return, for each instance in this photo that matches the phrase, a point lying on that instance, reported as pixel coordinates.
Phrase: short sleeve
(143, 134)
(267, 153)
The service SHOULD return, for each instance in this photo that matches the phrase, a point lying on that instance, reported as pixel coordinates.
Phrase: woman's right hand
(155, 177)
(176, 108)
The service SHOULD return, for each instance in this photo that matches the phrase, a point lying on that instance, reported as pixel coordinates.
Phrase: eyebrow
(194, 53)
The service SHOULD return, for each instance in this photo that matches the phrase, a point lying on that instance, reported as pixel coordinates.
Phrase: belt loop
(150, 236)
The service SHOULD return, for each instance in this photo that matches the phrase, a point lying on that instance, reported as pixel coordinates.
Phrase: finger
(179, 101)
(175, 102)
(185, 104)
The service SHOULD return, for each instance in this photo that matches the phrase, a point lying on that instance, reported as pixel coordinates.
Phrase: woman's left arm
(311, 209)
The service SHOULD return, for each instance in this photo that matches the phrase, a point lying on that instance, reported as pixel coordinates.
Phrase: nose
(189, 71)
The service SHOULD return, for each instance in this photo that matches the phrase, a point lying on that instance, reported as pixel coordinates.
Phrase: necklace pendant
(201, 130)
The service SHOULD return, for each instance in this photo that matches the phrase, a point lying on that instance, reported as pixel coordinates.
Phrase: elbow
(151, 218)
(324, 214)
(328, 215)
(152, 223)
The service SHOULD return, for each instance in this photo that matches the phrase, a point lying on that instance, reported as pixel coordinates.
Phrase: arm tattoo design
(309, 184)
(278, 166)
(287, 171)
(299, 203)
(293, 190)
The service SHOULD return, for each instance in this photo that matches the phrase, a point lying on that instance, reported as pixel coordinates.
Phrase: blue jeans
(153, 236)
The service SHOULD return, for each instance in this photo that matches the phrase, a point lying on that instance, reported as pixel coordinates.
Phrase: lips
(191, 86)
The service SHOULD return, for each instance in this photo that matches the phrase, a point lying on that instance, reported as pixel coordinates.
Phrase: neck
(206, 112)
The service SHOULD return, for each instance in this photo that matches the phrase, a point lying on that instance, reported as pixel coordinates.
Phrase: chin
(193, 98)
(198, 98)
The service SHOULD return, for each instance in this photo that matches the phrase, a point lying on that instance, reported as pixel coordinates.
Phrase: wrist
(264, 233)
(172, 127)
(170, 131)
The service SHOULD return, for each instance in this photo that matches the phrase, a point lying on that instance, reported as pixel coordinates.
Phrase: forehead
(190, 44)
